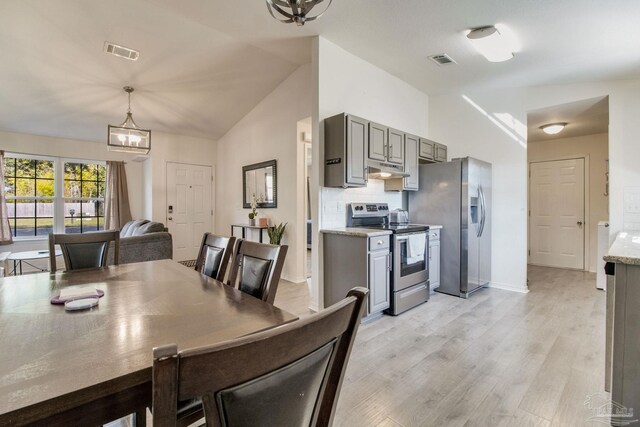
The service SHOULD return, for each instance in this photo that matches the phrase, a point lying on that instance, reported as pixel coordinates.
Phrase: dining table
(93, 366)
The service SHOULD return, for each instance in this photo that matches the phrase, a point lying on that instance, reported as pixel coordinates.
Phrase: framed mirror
(260, 181)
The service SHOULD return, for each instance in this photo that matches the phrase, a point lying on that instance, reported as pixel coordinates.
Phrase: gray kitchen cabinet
(379, 265)
(411, 183)
(357, 260)
(440, 152)
(346, 141)
(434, 259)
(430, 151)
(377, 142)
(395, 146)
(426, 150)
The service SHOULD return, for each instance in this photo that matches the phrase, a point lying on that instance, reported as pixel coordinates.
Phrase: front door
(189, 213)
(556, 222)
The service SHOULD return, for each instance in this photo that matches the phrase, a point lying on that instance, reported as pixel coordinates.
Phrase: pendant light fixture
(298, 11)
(128, 136)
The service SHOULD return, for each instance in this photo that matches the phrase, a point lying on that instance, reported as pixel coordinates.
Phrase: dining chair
(215, 252)
(256, 269)
(290, 375)
(84, 251)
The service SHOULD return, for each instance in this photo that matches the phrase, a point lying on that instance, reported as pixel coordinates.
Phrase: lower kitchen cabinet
(352, 259)
(434, 259)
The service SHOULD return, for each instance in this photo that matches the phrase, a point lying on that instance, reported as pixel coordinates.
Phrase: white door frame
(587, 212)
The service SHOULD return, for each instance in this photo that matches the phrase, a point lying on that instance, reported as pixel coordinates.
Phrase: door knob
(579, 223)
(170, 218)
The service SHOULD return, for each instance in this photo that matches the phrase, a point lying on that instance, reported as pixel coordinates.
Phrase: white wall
(597, 149)
(172, 148)
(347, 83)
(477, 131)
(268, 132)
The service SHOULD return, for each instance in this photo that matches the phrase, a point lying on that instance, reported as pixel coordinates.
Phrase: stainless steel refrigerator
(457, 195)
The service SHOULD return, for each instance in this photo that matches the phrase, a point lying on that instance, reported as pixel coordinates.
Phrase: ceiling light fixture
(553, 128)
(288, 11)
(491, 43)
(128, 137)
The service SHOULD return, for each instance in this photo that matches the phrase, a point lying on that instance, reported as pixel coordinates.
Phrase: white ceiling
(584, 117)
(205, 63)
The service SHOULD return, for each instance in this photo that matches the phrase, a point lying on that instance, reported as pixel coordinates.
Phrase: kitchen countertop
(625, 249)
(356, 231)
(434, 227)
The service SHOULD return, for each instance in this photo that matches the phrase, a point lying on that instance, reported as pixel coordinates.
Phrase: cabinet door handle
(380, 242)
(390, 266)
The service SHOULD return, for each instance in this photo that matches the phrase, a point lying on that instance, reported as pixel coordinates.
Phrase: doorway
(305, 159)
(556, 213)
(568, 183)
(189, 214)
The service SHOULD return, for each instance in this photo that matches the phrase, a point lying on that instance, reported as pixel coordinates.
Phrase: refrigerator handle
(483, 210)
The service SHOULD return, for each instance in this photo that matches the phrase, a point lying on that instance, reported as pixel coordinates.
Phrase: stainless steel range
(409, 250)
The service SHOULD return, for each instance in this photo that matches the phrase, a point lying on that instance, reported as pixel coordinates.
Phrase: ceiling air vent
(121, 51)
(442, 59)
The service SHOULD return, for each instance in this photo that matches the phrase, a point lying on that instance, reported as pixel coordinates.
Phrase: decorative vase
(252, 221)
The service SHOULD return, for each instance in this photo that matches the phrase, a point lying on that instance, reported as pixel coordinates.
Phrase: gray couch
(143, 240)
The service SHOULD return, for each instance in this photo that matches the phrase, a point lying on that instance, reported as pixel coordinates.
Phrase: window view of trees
(30, 188)
(83, 197)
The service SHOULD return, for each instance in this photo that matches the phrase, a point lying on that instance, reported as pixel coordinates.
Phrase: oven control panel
(359, 210)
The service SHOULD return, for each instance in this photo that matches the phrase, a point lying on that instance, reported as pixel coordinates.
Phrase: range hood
(382, 170)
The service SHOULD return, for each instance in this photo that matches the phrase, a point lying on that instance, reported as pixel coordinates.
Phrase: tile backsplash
(334, 201)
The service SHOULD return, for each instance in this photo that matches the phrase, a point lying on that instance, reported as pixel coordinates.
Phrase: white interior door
(556, 222)
(189, 213)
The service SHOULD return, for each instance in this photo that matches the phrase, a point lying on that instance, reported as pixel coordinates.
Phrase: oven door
(409, 268)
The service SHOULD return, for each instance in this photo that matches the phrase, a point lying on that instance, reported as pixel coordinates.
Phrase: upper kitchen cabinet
(440, 152)
(395, 146)
(426, 151)
(385, 144)
(430, 151)
(346, 142)
(411, 144)
(377, 142)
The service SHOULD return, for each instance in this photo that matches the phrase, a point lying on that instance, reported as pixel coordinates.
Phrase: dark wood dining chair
(286, 376)
(84, 251)
(256, 269)
(215, 252)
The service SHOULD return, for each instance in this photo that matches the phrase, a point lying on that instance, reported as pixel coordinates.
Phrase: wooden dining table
(94, 366)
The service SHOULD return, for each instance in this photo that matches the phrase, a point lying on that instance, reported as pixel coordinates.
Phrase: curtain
(5, 227)
(117, 211)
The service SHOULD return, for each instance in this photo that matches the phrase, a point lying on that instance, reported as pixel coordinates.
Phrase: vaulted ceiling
(205, 63)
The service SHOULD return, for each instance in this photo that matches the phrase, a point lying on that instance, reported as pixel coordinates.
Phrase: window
(46, 195)
(83, 197)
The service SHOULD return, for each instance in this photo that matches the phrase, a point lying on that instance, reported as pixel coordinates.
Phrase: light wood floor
(496, 359)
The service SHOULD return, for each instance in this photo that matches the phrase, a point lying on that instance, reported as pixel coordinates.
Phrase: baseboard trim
(293, 280)
(509, 287)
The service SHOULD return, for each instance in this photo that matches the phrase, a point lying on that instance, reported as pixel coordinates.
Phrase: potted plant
(254, 210)
(275, 233)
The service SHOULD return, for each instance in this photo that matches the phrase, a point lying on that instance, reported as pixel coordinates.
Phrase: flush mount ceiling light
(491, 43)
(128, 136)
(288, 11)
(553, 128)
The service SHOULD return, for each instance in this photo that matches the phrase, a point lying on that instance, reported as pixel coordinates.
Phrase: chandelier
(297, 11)
(128, 136)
